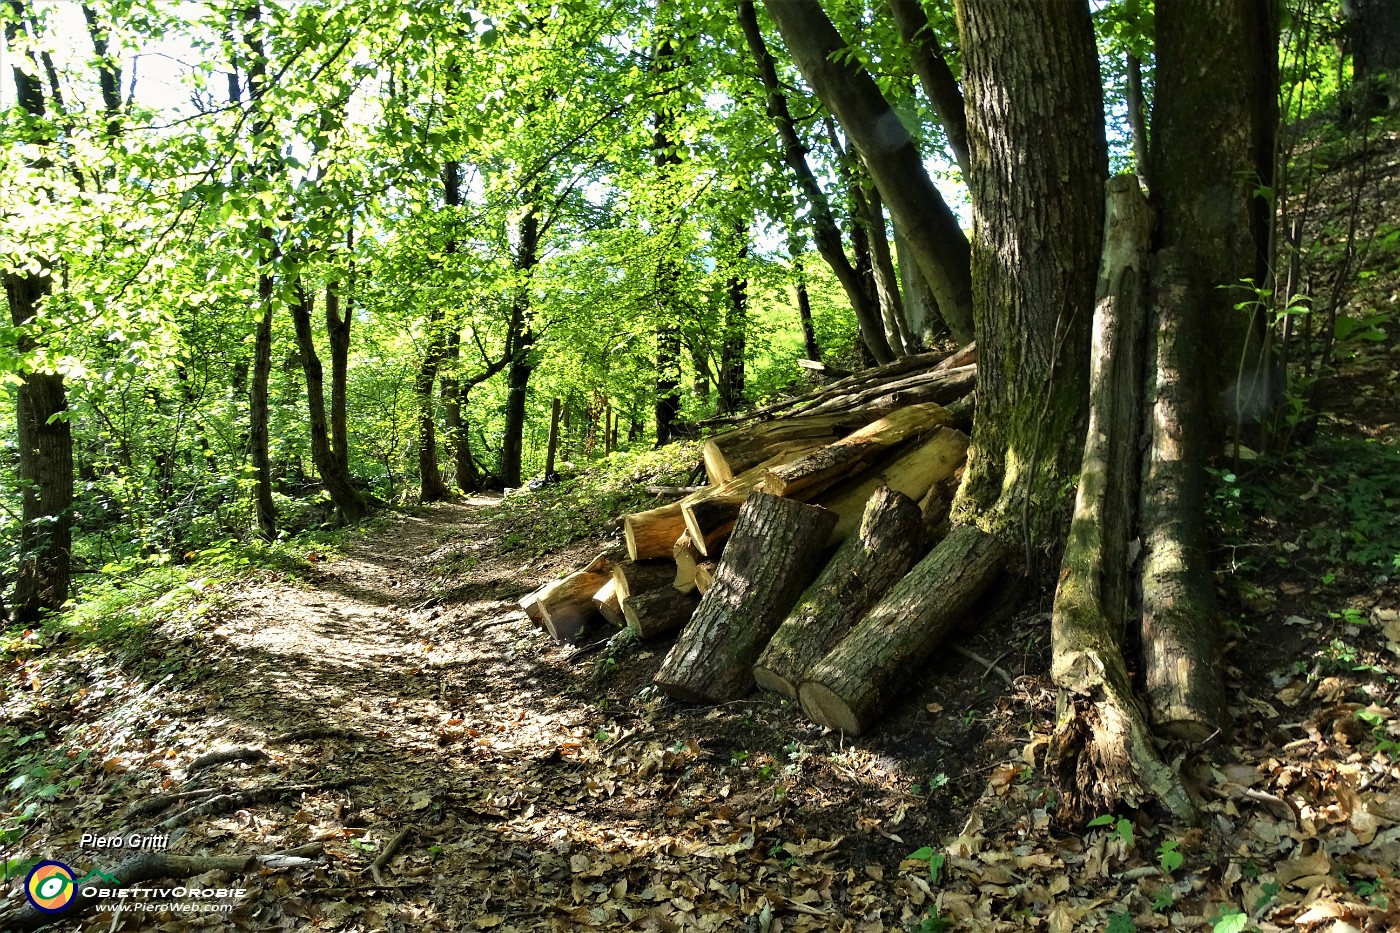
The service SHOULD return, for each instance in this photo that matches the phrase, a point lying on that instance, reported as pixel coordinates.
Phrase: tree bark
(43, 575)
(659, 611)
(825, 231)
(771, 557)
(521, 340)
(1215, 115)
(1181, 636)
(553, 445)
(889, 153)
(1106, 754)
(849, 688)
(728, 454)
(862, 570)
(804, 313)
(1373, 27)
(338, 336)
(264, 508)
(350, 505)
(935, 77)
(1035, 123)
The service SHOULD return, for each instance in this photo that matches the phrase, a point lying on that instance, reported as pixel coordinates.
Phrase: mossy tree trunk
(1035, 125)
(1214, 122)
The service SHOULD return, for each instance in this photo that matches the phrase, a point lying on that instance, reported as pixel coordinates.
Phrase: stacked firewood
(815, 509)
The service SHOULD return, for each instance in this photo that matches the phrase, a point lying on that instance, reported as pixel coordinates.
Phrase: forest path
(418, 714)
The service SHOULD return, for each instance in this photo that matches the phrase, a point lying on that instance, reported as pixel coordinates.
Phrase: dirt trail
(398, 694)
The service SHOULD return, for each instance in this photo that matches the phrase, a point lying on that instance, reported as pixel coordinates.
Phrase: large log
(912, 472)
(533, 603)
(1181, 635)
(919, 362)
(687, 556)
(656, 612)
(805, 477)
(939, 386)
(864, 568)
(709, 521)
(1104, 750)
(848, 688)
(653, 533)
(731, 453)
(566, 606)
(634, 577)
(606, 602)
(772, 555)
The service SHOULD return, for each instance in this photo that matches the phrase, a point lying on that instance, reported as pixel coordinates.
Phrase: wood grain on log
(709, 521)
(653, 533)
(849, 688)
(606, 602)
(705, 576)
(870, 561)
(728, 454)
(913, 472)
(772, 555)
(686, 555)
(805, 477)
(658, 611)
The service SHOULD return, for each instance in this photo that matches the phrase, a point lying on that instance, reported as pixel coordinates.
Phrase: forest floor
(392, 699)
(384, 711)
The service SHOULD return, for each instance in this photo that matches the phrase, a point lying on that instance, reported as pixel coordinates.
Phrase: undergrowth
(583, 505)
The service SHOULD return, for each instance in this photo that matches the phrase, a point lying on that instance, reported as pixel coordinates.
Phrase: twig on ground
(390, 848)
(991, 666)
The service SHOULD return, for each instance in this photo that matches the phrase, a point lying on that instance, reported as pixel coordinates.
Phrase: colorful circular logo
(50, 887)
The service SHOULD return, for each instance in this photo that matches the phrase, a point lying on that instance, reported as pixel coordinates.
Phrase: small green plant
(1163, 900)
(1267, 892)
(934, 859)
(1168, 857)
(1122, 827)
(934, 922)
(1121, 923)
(1230, 919)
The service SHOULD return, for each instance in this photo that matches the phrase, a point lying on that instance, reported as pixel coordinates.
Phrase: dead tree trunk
(862, 570)
(1181, 642)
(1105, 749)
(771, 557)
(851, 685)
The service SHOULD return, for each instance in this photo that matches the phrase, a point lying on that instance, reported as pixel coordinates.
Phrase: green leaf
(1230, 920)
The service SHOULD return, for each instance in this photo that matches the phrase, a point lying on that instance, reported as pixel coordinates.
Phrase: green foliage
(934, 859)
(1230, 919)
(1121, 923)
(1168, 857)
(1122, 827)
(538, 521)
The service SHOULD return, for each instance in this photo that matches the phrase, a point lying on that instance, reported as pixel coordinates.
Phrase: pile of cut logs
(817, 510)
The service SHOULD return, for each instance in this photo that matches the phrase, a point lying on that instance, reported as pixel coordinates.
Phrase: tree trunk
(1373, 27)
(889, 153)
(350, 505)
(338, 336)
(1181, 635)
(736, 314)
(430, 485)
(935, 77)
(924, 322)
(1213, 131)
(1137, 120)
(862, 570)
(771, 557)
(520, 339)
(553, 444)
(824, 228)
(43, 574)
(1104, 749)
(258, 440)
(886, 279)
(804, 315)
(1035, 115)
(850, 686)
(728, 454)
